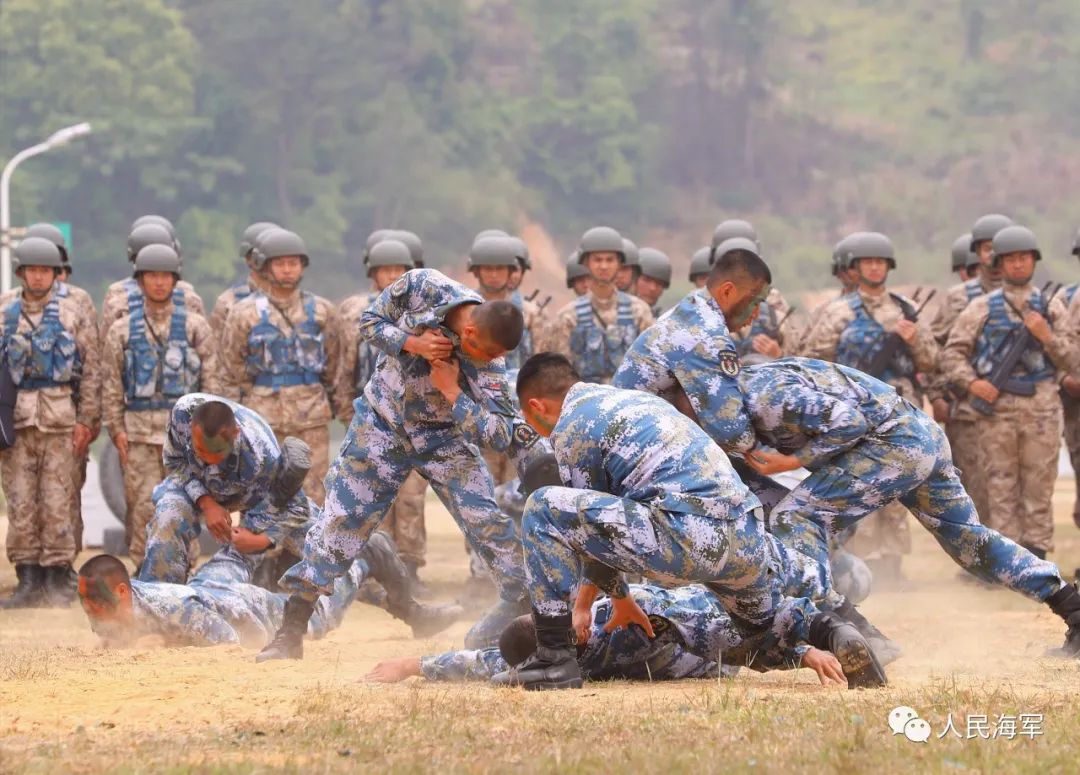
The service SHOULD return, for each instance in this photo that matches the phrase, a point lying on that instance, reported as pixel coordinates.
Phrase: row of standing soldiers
(299, 361)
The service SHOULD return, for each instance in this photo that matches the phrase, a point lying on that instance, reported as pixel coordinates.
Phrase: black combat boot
(886, 649)
(60, 590)
(554, 664)
(386, 567)
(288, 643)
(30, 590)
(1066, 604)
(828, 632)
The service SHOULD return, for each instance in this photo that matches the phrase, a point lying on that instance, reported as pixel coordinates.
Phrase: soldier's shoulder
(568, 310)
(977, 308)
(118, 329)
(776, 300)
(248, 306)
(323, 304)
(352, 307)
(197, 320)
(639, 307)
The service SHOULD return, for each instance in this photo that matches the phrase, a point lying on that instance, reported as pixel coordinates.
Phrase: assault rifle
(883, 358)
(1011, 350)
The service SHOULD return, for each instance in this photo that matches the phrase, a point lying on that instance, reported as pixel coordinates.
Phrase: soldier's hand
(941, 409)
(80, 439)
(121, 442)
(768, 461)
(825, 665)
(218, 520)
(1072, 386)
(624, 612)
(247, 542)
(444, 378)
(980, 388)
(906, 330)
(430, 345)
(582, 624)
(766, 345)
(393, 670)
(1037, 325)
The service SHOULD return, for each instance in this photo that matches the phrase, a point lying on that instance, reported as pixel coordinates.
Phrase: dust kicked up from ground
(969, 652)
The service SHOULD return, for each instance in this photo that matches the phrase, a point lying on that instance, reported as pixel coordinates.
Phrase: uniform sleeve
(1071, 325)
(1062, 347)
(88, 342)
(643, 316)
(194, 302)
(946, 316)
(467, 665)
(201, 626)
(480, 425)
(717, 399)
(113, 405)
(110, 310)
(332, 345)
(202, 337)
(558, 338)
(378, 323)
(233, 380)
(955, 361)
(833, 425)
(345, 379)
(925, 350)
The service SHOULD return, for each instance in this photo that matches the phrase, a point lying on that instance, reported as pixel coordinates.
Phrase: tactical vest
(973, 288)
(864, 337)
(765, 323)
(157, 373)
(1034, 365)
(598, 351)
(276, 359)
(524, 350)
(45, 357)
(366, 357)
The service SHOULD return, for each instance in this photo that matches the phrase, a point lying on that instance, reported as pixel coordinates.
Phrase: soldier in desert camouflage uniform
(151, 358)
(1070, 384)
(254, 283)
(52, 356)
(280, 351)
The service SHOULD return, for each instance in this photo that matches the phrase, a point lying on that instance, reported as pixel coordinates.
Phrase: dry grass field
(66, 706)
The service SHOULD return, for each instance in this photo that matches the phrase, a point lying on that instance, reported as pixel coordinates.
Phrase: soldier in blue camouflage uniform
(865, 446)
(650, 494)
(213, 472)
(439, 393)
(693, 637)
(691, 345)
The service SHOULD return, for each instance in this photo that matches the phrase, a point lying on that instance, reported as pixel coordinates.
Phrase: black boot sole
(860, 666)
(545, 686)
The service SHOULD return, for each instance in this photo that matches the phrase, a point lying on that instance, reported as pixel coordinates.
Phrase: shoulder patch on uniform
(525, 436)
(729, 363)
(399, 286)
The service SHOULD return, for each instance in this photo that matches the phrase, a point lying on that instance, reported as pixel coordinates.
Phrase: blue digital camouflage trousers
(562, 526)
(360, 489)
(906, 458)
(173, 532)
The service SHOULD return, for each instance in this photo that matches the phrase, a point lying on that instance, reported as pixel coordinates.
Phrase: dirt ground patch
(66, 706)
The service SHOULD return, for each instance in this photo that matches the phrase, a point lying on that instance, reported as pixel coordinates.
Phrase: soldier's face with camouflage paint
(384, 276)
(36, 280)
(739, 301)
(1017, 268)
(871, 272)
(212, 450)
(603, 267)
(493, 279)
(157, 286)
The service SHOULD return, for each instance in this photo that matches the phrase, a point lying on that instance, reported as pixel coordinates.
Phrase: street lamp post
(55, 140)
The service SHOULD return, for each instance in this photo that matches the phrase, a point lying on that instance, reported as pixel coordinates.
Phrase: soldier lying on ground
(691, 637)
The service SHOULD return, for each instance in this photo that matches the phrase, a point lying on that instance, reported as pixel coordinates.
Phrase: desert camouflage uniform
(242, 482)
(1071, 406)
(228, 299)
(405, 521)
(119, 295)
(221, 605)
(402, 423)
(1021, 439)
(649, 493)
(534, 336)
(866, 446)
(851, 329)
(39, 470)
(693, 633)
(595, 333)
(144, 420)
(961, 428)
(691, 346)
(774, 320)
(292, 388)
